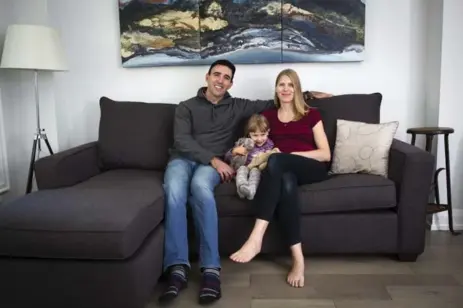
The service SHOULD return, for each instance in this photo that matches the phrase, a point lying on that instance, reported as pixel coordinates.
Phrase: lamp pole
(39, 135)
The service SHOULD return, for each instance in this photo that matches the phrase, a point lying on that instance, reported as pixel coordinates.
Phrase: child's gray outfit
(247, 180)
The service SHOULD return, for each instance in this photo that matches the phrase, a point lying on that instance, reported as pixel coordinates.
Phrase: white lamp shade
(33, 47)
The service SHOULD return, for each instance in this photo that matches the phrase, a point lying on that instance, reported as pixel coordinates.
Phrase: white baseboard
(440, 221)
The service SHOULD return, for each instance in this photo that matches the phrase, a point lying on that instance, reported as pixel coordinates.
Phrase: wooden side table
(430, 132)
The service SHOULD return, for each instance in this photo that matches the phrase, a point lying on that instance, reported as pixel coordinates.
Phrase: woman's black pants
(277, 195)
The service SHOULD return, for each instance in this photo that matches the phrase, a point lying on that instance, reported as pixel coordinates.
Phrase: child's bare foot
(296, 275)
(247, 252)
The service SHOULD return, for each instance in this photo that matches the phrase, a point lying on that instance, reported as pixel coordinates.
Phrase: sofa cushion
(348, 192)
(135, 135)
(351, 107)
(363, 147)
(106, 217)
(340, 193)
(228, 202)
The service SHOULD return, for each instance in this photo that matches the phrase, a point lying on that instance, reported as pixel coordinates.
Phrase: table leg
(449, 187)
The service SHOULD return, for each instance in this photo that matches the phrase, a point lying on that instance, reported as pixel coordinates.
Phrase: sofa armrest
(411, 169)
(68, 167)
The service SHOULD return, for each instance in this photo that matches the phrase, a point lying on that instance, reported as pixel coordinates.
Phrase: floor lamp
(36, 48)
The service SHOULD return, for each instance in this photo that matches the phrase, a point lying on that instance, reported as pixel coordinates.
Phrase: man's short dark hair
(224, 63)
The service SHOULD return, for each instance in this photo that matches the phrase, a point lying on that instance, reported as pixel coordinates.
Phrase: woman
(297, 130)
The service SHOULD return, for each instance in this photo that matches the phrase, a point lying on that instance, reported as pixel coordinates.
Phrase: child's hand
(239, 150)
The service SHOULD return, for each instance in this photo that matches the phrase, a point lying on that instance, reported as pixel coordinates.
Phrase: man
(204, 129)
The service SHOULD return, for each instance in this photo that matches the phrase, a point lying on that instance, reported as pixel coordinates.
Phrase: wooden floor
(435, 280)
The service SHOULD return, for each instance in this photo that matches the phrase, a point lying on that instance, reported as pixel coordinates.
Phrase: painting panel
(243, 31)
(195, 32)
(323, 30)
(159, 32)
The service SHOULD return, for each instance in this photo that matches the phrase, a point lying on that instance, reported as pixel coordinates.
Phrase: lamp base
(36, 147)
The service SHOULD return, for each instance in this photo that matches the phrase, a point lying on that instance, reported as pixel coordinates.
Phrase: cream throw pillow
(362, 147)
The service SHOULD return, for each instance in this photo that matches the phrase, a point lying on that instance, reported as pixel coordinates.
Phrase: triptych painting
(197, 32)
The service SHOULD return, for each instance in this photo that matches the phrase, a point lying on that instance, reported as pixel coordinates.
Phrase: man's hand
(239, 150)
(226, 172)
(318, 94)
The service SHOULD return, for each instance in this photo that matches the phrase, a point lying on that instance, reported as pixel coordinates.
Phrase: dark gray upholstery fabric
(57, 283)
(339, 194)
(411, 169)
(135, 134)
(106, 217)
(347, 193)
(362, 232)
(68, 167)
(351, 107)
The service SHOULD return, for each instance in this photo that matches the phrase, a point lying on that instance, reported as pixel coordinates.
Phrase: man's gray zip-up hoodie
(203, 130)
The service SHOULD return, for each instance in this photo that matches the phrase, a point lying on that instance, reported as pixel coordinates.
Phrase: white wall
(395, 65)
(5, 19)
(417, 73)
(433, 60)
(90, 30)
(4, 9)
(18, 99)
(451, 108)
(415, 89)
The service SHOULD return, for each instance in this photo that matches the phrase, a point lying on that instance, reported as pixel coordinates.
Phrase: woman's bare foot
(247, 252)
(254, 243)
(296, 274)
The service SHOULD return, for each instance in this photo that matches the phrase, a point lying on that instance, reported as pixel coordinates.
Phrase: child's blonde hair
(257, 122)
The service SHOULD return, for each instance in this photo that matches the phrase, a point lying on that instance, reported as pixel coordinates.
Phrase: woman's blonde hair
(299, 104)
(257, 122)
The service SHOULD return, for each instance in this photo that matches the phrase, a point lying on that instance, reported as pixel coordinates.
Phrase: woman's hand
(239, 150)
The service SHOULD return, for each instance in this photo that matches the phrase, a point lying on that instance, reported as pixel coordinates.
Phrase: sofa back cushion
(351, 107)
(135, 135)
(139, 134)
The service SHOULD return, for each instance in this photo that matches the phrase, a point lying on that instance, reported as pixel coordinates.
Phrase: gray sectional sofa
(92, 235)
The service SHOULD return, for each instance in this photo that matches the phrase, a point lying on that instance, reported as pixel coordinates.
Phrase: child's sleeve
(271, 145)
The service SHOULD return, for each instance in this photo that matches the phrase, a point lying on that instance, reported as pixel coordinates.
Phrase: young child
(250, 154)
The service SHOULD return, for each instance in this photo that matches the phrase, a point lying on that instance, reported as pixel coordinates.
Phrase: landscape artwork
(198, 32)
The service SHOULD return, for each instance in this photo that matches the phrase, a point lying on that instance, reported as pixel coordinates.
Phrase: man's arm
(250, 107)
(308, 95)
(183, 138)
(318, 94)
